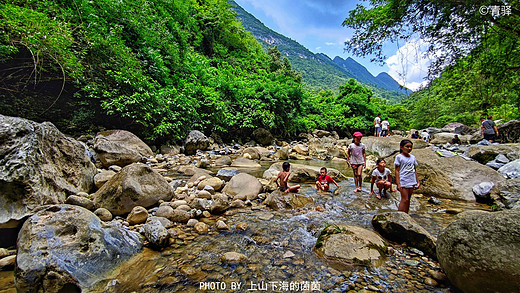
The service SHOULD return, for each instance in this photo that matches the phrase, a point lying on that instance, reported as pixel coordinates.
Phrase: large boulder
(509, 132)
(278, 200)
(486, 153)
(120, 147)
(508, 192)
(135, 185)
(156, 233)
(262, 136)
(449, 177)
(242, 162)
(351, 245)
(480, 252)
(444, 137)
(301, 173)
(38, 165)
(243, 186)
(400, 227)
(511, 170)
(65, 248)
(195, 140)
(320, 147)
(459, 128)
(387, 146)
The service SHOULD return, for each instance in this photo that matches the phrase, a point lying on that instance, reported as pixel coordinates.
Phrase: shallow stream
(279, 249)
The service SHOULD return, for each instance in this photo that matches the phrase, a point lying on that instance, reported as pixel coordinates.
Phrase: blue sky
(316, 24)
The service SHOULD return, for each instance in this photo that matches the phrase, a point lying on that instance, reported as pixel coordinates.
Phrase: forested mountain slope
(319, 72)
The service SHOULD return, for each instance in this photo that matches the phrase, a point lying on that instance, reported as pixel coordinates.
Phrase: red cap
(357, 134)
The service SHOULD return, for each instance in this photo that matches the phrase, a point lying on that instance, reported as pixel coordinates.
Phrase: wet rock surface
(203, 222)
(481, 252)
(64, 246)
(38, 165)
(120, 147)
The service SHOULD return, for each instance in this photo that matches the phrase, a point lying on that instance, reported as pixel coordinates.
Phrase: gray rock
(509, 132)
(278, 200)
(508, 193)
(180, 215)
(80, 201)
(434, 200)
(243, 186)
(511, 170)
(102, 177)
(351, 244)
(242, 162)
(495, 165)
(301, 173)
(165, 222)
(156, 233)
(38, 165)
(481, 252)
(227, 173)
(400, 227)
(387, 146)
(219, 204)
(262, 136)
(195, 140)
(120, 147)
(68, 246)
(482, 191)
(200, 204)
(449, 177)
(103, 214)
(223, 161)
(502, 159)
(135, 185)
(164, 211)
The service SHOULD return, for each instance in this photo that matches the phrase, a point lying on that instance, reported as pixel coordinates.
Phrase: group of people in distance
(405, 173)
(381, 128)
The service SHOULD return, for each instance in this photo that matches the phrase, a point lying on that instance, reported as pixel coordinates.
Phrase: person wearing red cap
(356, 158)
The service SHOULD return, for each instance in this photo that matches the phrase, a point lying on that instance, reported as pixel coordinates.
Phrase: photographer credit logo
(495, 10)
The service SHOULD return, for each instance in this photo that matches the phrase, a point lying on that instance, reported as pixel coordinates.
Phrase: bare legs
(358, 171)
(406, 194)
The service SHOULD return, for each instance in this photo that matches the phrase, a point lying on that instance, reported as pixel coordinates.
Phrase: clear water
(279, 249)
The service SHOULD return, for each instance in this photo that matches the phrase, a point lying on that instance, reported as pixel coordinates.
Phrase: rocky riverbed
(213, 222)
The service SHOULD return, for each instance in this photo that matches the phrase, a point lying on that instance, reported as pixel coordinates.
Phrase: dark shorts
(489, 136)
(283, 188)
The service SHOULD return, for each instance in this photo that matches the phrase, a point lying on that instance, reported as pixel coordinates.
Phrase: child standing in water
(356, 159)
(405, 174)
(324, 180)
(382, 177)
(284, 177)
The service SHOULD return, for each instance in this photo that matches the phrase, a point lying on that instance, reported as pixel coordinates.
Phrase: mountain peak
(319, 71)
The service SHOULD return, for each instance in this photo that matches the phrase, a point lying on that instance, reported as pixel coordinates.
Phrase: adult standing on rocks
(489, 129)
(377, 125)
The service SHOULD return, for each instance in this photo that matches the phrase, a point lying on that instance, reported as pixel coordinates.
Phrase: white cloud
(330, 44)
(409, 65)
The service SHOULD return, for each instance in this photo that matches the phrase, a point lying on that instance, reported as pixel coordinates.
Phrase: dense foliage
(476, 46)
(159, 68)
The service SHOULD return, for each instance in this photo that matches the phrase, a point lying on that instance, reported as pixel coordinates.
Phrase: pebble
(266, 217)
(431, 282)
(241, 226)
(7, 261)
(288, 254)
(220, 225)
